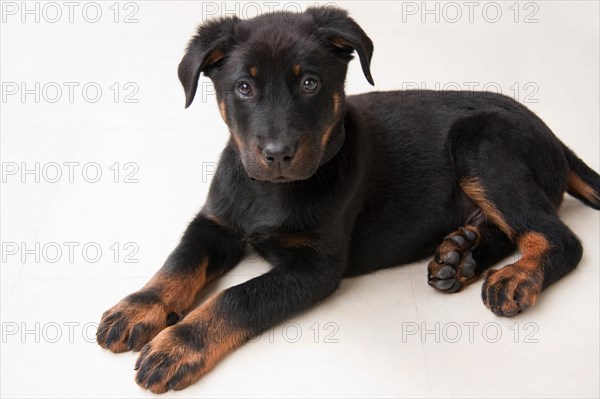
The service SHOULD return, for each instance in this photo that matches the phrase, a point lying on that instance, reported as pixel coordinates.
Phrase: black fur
(391, 190)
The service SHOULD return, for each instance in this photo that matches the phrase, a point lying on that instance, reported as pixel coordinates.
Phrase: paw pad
(453, 265)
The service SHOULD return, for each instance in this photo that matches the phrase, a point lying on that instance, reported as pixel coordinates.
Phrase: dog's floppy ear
(344, 34)
(206, 49)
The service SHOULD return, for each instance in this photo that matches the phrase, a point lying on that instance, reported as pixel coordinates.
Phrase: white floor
(387, 334)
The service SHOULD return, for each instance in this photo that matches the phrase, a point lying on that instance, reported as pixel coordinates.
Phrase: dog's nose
(278, 152)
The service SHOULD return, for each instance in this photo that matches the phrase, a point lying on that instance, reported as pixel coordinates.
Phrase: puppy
(326, 186)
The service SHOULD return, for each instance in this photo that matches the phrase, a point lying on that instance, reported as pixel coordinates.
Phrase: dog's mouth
(281, 179)
(278, 174)
(276, 178)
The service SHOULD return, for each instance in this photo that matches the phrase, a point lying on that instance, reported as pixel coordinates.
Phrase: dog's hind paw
(453, 266)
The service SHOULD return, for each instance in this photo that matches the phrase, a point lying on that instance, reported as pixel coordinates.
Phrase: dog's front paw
(134, 321)
(453, 266)
(173, 360)
(511, 289)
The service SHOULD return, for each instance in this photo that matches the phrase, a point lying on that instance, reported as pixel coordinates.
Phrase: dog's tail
(584, 183)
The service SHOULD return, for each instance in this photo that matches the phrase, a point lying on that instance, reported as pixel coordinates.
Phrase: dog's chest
(264, 218)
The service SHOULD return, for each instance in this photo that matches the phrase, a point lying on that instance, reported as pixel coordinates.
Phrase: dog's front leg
(181, 354)
(206, 250)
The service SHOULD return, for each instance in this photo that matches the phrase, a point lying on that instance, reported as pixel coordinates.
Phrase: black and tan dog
(325, 187)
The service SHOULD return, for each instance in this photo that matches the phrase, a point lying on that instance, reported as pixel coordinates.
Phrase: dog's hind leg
(548, 248)
(518, 194)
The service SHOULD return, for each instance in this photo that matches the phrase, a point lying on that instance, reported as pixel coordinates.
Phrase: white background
(551, 64)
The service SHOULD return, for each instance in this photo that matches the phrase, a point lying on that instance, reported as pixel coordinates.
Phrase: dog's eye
(310, 85)
(244, 89)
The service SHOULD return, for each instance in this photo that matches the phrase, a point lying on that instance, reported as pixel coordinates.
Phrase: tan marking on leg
(222, 336)
(297, 69)
(151, 316)
(533, 245)
(178, 291)
(576, 185)
(173, 361)
(219, 339)
(176, 364)
(168, 293)
(521, 281)
(175, 356)
(475, 191)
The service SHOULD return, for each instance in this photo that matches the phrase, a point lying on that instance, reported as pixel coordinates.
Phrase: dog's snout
(282, 153)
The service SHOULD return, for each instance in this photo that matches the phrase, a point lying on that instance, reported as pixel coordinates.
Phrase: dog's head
(279, 80)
